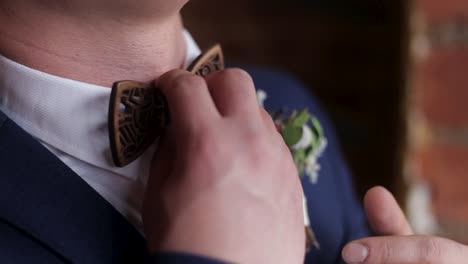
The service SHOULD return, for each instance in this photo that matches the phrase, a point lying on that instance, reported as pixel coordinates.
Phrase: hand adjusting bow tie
(138, 112)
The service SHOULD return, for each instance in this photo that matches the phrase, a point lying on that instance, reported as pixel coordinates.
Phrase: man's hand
(398, 245)
(223, 183)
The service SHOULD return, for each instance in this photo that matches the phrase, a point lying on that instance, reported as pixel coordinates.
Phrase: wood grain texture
(137, 117)
(139, 113)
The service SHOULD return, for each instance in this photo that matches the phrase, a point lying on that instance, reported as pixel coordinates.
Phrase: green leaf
(317, 127)
(291, 118)
(292, 135)
(318, 133)
(299, 155)
(309, 150)
(302, 119)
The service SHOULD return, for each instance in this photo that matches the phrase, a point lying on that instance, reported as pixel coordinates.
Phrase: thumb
(384, 214)
(405, 250)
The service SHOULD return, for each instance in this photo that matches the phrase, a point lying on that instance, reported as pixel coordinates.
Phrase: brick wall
(440, 104)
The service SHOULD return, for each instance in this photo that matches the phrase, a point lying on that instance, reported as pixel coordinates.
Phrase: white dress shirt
(70, 119)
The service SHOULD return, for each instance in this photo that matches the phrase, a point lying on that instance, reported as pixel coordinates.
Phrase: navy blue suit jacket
(48, 214)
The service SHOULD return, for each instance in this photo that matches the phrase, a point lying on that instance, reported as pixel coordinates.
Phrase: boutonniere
(304, 135)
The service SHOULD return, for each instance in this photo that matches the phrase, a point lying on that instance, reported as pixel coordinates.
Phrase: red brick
(437, 10)
(442, 87)
(446, 170)
(418, 85)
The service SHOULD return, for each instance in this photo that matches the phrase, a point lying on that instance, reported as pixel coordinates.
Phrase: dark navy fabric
(48, 214)
(47, 203)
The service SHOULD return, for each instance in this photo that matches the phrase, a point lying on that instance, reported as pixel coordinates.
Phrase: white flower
(312, 167)
(321, 148)
(306, 139)
(261, 97)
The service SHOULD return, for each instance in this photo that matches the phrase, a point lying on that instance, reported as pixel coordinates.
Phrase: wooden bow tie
(138, 112)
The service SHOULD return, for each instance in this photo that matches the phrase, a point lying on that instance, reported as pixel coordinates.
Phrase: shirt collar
(68, 115)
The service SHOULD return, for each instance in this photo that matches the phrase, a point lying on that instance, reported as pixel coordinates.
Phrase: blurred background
(392, 74)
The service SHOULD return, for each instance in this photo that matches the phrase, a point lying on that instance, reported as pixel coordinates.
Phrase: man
(222, 186)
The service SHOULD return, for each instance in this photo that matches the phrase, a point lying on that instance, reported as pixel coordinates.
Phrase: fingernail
(355, 253)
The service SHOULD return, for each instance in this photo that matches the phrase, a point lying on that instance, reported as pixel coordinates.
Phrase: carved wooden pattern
(209, 62)
(137, 117)
(138, 112)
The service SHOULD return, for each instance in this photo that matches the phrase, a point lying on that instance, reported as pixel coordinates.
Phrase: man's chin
(141, 9)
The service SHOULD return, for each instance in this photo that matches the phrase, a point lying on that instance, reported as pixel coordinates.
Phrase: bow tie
(138, 112)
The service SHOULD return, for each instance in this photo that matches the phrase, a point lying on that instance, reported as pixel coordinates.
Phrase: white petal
(311, 159)
(261, 97)
(312, 169)
(321, 148)
(313, 177)
(306, 139)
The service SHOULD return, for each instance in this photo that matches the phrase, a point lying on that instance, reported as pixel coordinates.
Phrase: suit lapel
(43, 197)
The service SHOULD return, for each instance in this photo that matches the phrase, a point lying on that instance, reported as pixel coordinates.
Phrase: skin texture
(97, 42)
(397, 243)
(221, 174)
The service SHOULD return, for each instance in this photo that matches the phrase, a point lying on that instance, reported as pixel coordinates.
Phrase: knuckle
(430, 250)
(188, 81)
(237, 75)
(387, 254)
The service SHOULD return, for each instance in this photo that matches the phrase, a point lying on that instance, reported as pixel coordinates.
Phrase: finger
(162, 163)
(154, 220)
(267, 119)
(189, 100)
(405, 250)
(384, 214)
(234, 93)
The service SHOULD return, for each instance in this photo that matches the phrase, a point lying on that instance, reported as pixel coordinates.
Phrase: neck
(92, 49)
